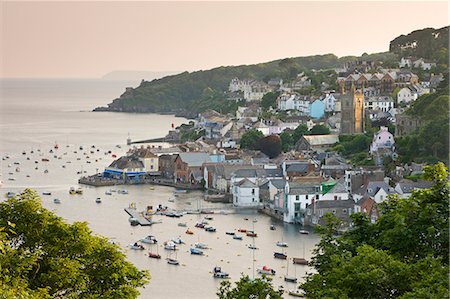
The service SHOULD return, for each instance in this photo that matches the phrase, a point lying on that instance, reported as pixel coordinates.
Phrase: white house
(405, 62)
(337, 192)
(382, 103)
(246, 194)
(293, 101)
(424, 64)
(297, 196)
(407, 95)
(379, 190)
(330, 102)
(405, 187)
(382, 140)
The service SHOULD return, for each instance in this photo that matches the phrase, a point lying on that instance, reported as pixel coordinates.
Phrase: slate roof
(317, 140)
(374, 186)
(278, 183)
(304, 188)
(408, 186)
(297, 167)
(245, 173)
(246, 183)
(330, 204)
(194, 159)
(126, 162)
(338, 188)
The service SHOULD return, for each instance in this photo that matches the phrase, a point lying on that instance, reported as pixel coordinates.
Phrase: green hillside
(189, 93)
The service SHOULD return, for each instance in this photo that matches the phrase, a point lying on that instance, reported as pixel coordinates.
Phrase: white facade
(406, 95)
(330, 103)
(246, 194)
(292, 101)
(383, 103)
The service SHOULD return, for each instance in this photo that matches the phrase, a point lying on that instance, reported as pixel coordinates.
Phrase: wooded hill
(189, 93)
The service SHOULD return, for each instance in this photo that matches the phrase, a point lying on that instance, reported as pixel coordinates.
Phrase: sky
(71, 39)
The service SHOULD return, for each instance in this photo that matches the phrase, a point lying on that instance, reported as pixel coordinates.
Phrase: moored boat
(177, 241)
(154, 255)
(304, 232)
(297, 293)
(201, 245)
(230, 233)
(46, 193)
(299, 261)
(218, 273)
(182, 224)
(57, 200)
(242, 230)
(290, 279)
(170, 246)
(136, 246)
(172, 261)
(133, 221)
(210, 229)
(189, 232)
(252, 247)
(236, 237)
(98, 200)
(279, 255)
(251, 234)
(266, 270)
(200, 225)
(149, 240)
(72, 191)
(282, 244)
(272, 227)
(196, 251)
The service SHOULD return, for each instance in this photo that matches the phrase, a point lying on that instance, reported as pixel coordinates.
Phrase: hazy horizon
(91, 39)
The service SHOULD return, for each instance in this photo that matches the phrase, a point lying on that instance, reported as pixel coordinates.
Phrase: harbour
(109, 219)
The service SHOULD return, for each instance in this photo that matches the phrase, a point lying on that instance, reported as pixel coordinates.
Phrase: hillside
(428, 43)
(189, 93)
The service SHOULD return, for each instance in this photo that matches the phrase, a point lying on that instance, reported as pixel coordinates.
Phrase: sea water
(37, 114)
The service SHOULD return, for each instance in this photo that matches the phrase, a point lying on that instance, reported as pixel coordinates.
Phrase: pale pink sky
(88, 39)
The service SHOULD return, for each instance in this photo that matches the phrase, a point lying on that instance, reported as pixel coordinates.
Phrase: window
(344, 211)
(335, 197)
(334, 212)
(297, 197)
(317, 196)
(306, 196)
(253, 191)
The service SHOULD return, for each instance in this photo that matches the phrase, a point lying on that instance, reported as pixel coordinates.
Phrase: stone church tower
(352, 112)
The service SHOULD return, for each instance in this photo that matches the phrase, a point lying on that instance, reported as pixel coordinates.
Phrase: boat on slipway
(266, 270)
(196, 251)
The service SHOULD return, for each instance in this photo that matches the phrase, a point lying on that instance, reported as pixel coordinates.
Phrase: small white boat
(98, 200)
(182, 224)
(218, 273)
(133, 221)
(177, 241)
(136, 246)
(282, 244)
(108, 193)
(266, 270)
(149, 240)
(171, 200)
(201, 245)
(304, 232)
(252, 247)
(46, 193)
(180, 191)
(123, 191)
(170, 246)
(172, 261)
(57, 201)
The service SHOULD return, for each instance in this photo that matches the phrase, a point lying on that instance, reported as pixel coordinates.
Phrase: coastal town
(282, 151)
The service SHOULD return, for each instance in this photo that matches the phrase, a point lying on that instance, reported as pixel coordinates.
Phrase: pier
(139, 216)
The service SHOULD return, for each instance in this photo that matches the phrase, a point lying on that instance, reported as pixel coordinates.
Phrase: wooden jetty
(138, 215)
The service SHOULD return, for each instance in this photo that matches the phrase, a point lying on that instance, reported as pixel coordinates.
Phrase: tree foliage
(44, 257)
(250, 139)
(258, 288)
(270, 145)
(404, 254)
(319, 130)
(269, 100)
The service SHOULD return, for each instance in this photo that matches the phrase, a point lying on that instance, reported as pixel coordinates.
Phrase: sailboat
(300, 260)
(290, 278)
(172, 261)
(154, 255)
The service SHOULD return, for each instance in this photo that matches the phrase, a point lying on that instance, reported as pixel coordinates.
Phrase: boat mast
(253, 251)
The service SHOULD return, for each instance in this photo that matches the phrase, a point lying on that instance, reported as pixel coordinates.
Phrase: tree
(47, 257)
(404, 254)
(270, 145)
(299, 132)
(258, 288)
(286, 141)
(269, 100)
(319, 130)
(250, 139)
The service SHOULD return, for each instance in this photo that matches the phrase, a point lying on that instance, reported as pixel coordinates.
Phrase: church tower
(352, 112)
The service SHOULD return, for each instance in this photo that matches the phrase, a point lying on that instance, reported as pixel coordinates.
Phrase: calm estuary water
(36, 114)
